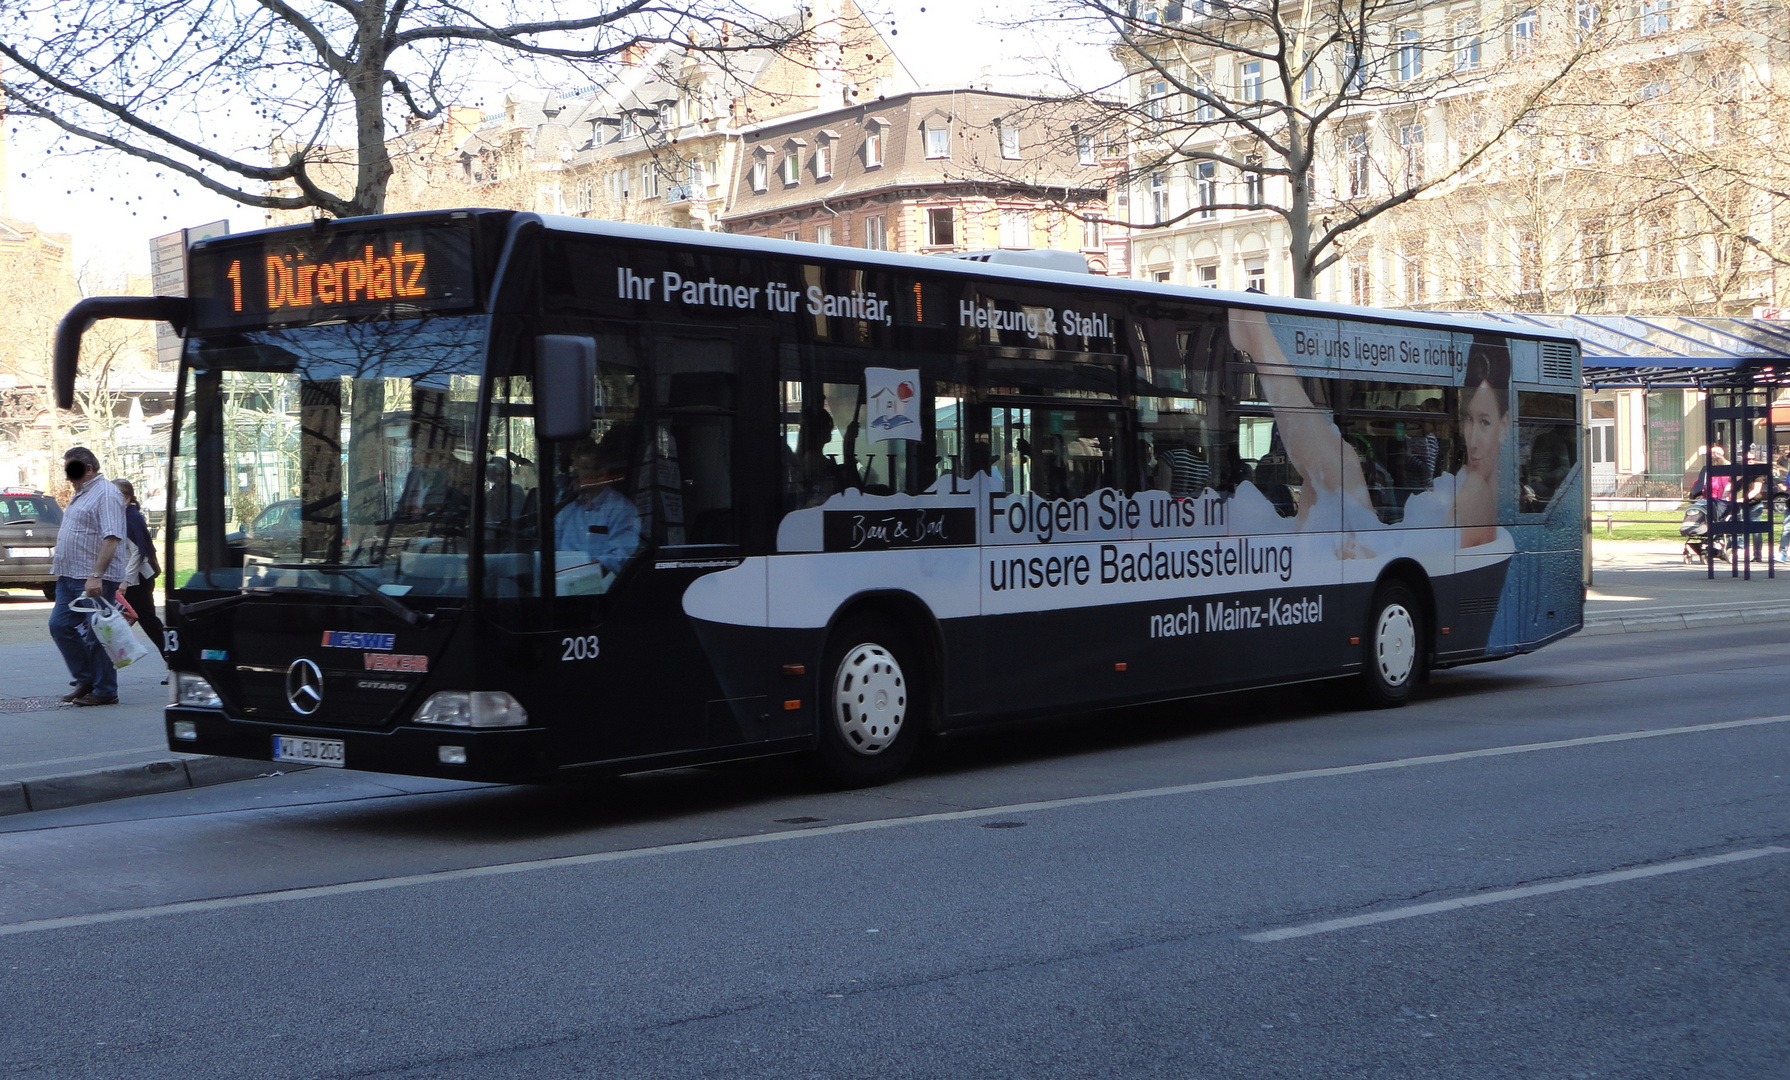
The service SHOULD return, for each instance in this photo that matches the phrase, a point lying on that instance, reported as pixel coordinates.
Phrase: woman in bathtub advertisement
(1453, 528)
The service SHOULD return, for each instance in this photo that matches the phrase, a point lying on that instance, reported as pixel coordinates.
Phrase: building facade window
(1466, 43)
(1351, 72)
(1656, 17)
(876, 233)
(823, 158)
(791, 170)
(1205, 187)
(1358, 163)
(792, 234)
(873, 146)
(761, 173)
(1016, 228)
(1410, 144)
(941, 228)
(1159, 212)
(1255, 273)
(1361, 282)
(649, 181)
(1206, 275)
(1091, 233)
(938, 139)
(1084, 150)
(1156, 100)
(1252, 180)
(1522, 33)
(1414, 290)
(1251, 83)
(1590, 15)
(1410, 55)
(823, 234)
(1204, 112)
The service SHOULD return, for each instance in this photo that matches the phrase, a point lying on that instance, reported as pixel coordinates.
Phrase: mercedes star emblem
(304, 686)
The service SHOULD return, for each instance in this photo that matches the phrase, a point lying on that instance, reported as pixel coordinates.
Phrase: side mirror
(565, 385)
(168, 309)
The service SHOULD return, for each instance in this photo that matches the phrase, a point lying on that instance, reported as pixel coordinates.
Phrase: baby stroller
(1699, 545)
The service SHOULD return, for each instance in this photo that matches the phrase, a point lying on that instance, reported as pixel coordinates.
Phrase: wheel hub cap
(869, 699)
(1395, 645)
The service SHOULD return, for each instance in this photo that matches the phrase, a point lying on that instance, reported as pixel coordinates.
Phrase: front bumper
(493, 755)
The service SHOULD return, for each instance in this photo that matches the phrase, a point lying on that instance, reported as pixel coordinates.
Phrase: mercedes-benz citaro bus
(577, 496)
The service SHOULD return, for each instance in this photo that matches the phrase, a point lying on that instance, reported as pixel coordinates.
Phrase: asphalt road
(1251, 886)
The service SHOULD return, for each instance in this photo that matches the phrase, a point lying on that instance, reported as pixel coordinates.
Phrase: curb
(1683, 620)
(121, 782)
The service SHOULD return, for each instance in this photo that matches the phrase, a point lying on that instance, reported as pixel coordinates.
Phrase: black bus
(572, 496)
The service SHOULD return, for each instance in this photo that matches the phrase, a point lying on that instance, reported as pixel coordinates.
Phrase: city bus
(559, 496)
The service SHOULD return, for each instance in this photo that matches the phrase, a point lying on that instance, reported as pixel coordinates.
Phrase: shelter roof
(1667, 351)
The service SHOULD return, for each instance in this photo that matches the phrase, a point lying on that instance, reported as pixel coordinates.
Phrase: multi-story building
(931, 171)
(658, 143)
(1574, 205)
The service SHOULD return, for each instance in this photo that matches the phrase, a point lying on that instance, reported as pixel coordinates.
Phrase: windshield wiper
(410, 615)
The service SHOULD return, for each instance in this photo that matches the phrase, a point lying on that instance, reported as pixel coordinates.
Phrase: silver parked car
(29, 521)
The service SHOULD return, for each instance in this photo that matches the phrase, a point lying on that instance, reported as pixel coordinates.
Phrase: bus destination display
(336, 272)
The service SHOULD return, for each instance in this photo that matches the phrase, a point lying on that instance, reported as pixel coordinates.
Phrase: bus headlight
(472, 708)
(189, 689)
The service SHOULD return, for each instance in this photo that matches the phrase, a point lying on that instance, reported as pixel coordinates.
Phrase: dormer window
(823, 154)
(873, 143)
(1010, 140)
(628, 128)
(938, 137)
(790, 168)
(761, 172)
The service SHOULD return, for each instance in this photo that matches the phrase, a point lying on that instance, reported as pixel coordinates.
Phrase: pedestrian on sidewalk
(141, 569)
(88, 563)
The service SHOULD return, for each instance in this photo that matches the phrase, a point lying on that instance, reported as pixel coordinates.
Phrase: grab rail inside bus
(168, 309)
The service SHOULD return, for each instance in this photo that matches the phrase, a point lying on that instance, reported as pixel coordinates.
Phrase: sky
(114, 205)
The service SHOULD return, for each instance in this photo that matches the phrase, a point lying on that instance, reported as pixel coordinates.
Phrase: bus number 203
(580, 648)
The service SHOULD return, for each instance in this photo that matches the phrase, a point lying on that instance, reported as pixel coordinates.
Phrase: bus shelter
(1741, 367)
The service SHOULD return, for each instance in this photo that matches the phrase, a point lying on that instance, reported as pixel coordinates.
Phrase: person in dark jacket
(139, 582)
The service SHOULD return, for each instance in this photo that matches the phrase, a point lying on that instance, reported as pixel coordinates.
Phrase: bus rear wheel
(872, 706)
(1392, 648)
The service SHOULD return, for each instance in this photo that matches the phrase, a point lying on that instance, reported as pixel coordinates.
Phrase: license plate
(29, 553)
(330, 752)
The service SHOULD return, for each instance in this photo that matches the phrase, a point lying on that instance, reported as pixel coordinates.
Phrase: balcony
(679, 193)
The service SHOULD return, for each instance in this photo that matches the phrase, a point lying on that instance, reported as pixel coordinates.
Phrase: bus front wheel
(872, 705)
(1392, 648)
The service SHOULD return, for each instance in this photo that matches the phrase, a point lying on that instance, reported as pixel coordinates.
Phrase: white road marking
(318, 892)
(1502, 895)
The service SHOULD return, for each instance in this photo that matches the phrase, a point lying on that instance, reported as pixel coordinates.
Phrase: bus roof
(795, 249)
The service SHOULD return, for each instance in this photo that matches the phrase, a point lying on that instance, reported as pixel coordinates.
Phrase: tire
(872, 703)
(1391, 648)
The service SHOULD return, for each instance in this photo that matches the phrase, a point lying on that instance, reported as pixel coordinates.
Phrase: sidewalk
(1640, 586)
(54, 755)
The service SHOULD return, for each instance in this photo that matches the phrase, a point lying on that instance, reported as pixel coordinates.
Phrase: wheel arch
(913, 615)
(1409, 573)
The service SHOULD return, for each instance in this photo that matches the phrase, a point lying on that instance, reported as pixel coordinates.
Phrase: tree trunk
(366, 83)
(1299, 234)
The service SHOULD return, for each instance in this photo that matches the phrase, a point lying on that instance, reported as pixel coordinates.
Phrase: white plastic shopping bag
(112, 630)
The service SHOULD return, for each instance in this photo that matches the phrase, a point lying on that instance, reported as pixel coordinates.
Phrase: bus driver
(599, 528)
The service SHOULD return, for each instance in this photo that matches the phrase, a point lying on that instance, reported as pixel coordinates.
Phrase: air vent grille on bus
(1556, 362)
(1479, 605)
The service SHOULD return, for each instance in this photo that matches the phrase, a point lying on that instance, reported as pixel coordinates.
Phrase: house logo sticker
(894, 396)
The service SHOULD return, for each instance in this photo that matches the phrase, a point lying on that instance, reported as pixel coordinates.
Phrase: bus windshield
(347, 455)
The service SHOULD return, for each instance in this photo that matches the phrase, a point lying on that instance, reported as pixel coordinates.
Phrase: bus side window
(512, 491)
(1255, 454)
(692, 473)
(1177, 450)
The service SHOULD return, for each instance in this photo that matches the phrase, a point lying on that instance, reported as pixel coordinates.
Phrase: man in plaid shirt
(89, 562)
